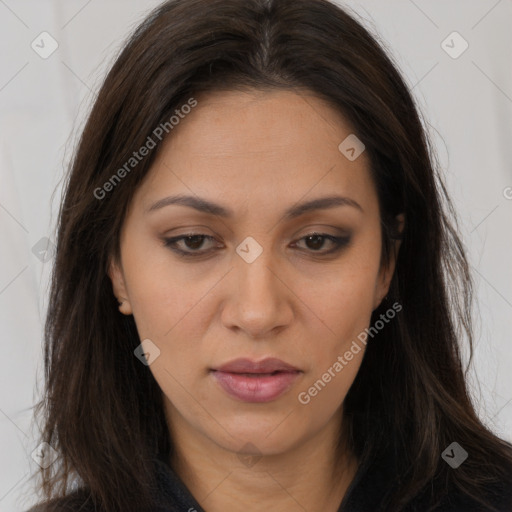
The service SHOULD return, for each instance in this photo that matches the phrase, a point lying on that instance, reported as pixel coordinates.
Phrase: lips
(266, 366)
(251, 381)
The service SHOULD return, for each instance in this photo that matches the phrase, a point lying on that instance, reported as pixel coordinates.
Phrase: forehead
(258, 148)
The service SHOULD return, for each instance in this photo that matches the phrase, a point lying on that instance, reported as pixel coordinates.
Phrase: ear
(115, 272)
(387, 270)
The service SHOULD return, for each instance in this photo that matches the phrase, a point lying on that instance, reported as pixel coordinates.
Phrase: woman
(258, 294)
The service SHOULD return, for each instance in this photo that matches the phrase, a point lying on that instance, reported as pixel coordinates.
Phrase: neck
(307, 477)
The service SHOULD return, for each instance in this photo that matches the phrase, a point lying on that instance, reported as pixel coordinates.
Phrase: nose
(260, 301)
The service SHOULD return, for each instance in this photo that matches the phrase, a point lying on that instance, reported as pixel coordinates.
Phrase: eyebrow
(205, 206)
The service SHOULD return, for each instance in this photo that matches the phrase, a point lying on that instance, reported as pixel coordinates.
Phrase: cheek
(161, 292)
(322, 394)
(336, 355)
(345, 300)
(171, 306)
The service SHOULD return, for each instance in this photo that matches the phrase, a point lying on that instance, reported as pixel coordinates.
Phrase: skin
(257, 153)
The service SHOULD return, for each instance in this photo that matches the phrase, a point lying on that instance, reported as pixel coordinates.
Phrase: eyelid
(168, 242)
(339, 243)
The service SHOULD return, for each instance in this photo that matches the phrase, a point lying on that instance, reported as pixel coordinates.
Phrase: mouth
(256, 374)
(256, 382)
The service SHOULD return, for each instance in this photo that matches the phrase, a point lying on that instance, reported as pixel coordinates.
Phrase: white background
(467, 105)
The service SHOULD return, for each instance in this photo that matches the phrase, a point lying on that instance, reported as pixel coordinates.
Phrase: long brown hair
(103, 411)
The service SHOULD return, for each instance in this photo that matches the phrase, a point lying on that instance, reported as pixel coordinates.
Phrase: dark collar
(175, 496)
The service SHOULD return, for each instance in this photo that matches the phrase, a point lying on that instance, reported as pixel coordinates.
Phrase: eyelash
(339, 243)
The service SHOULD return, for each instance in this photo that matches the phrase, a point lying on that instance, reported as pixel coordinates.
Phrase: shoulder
(376, 484)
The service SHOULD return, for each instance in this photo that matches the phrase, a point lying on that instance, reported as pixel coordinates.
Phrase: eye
(191, 243)
(315, 242)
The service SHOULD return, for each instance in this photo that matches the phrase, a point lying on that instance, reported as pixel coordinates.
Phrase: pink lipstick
(251, 381)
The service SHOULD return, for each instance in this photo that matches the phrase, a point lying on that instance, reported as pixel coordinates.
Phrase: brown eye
(316, 241)
(194, 242)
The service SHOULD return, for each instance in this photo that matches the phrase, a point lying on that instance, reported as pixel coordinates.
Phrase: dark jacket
(363, 495)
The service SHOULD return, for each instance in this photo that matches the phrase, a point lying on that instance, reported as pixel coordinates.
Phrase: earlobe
(119, 287)
(383, 285)
(387, 271)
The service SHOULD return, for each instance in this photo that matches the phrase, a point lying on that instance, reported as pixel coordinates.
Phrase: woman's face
(255, 282)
